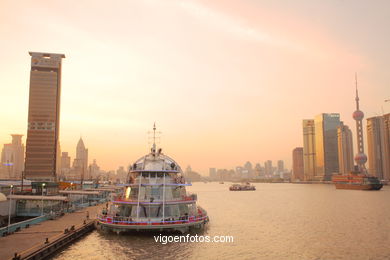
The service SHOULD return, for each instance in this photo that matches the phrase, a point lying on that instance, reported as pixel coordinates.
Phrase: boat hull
(347, 186)
(242, 190)
(144, 227)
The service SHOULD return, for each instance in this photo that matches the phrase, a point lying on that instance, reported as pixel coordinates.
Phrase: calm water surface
(277, 221)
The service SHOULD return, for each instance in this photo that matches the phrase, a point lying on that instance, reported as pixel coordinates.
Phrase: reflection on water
(277, 221)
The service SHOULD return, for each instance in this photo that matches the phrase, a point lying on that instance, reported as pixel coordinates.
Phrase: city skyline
(116, 81)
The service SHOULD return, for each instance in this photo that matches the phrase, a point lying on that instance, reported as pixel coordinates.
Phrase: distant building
(12, 158)
(377, 152)
(121, 175)
(386, 150)
(269, 171)
(65, 165)
(94, 170)
(248, 170)
(65, 160)
(327, 159)
(191, 175)
(43, 116)
(297, 169)
(345, 149)
(80, 163)
(239, 171)
(258, 170)
(213, 173)
(280, 166)
(309, 149)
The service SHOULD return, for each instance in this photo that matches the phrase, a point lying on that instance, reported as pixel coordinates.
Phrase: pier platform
(34, 238)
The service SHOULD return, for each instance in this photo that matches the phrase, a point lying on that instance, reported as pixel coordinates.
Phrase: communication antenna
(154, 136)
(358, 115)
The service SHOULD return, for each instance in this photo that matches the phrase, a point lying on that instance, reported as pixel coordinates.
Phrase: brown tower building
(298, 169)
(43, 116)
(345, 148)
(377, 148)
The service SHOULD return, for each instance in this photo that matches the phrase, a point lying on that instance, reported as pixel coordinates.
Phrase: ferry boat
(155, 199)
(357, 180)
(242, 187)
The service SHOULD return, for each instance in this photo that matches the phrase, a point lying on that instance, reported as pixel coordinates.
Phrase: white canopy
(33, 197)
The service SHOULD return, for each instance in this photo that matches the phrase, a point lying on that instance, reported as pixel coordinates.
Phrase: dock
(44, 238)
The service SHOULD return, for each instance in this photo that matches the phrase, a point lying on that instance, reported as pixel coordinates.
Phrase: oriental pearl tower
(358, 115)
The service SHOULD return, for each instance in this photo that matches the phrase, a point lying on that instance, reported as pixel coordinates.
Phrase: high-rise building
(298, 169)
(65, 165)
(43, 116)
(386, 134)
(80, 163)
(377, 148)
(94, 170)
(309, 149)
(345, 148)
(65, 160)
(268, 168)
(248, 170)
(12, 158)
(280, 166)
(327, 161)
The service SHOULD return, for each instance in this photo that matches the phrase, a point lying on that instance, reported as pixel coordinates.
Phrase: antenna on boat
(154, 137)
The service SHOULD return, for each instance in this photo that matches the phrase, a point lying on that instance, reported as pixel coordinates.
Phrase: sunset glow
(225, 81)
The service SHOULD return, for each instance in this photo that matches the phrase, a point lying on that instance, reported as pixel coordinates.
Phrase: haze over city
(225, 81)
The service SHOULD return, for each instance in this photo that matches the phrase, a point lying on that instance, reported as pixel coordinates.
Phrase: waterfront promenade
(36, 235)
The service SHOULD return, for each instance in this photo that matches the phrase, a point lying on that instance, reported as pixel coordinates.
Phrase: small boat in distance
(242, 187)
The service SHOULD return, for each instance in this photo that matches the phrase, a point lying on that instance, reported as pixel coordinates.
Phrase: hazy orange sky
(225, 81)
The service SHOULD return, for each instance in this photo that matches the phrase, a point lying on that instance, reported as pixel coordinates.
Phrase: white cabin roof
(156, 161)
(81, 192)
(33, 197)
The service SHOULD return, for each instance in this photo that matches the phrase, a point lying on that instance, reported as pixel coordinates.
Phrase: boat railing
(182, 199)
(119, 220)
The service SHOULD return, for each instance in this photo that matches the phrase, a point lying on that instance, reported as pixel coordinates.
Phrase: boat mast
(163, 198)
(139, 193)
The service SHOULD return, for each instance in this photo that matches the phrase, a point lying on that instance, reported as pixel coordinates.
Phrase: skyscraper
(268, 169)
(280, 166)
(309, 149)
(65, 160)
(377, 156)
(80, 163)
(297, 169)
(327, 161)
(12, 158)
(345, 148)
(43, 116)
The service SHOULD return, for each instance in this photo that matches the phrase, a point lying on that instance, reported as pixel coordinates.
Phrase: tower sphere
(358, 115)
(360, 158)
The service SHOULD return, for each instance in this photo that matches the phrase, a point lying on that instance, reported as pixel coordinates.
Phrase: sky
(225, 81)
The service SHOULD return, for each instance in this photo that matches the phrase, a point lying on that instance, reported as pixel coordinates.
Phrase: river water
(277, 221)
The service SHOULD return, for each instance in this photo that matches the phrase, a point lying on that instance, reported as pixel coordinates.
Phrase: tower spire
(357, 93)
(358, 115)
